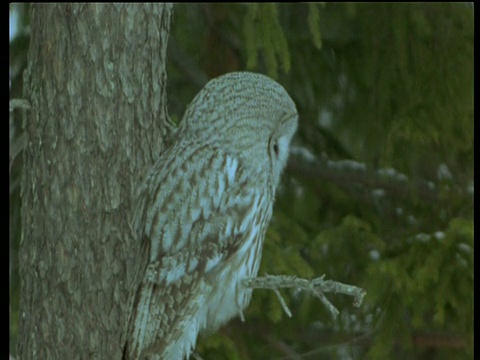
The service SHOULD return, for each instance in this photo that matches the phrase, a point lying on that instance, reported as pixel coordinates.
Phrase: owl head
(247, 114)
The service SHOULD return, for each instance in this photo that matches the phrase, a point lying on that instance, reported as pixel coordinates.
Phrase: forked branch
(317, 287)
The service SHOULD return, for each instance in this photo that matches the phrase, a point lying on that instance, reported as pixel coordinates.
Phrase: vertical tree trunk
(96, 82)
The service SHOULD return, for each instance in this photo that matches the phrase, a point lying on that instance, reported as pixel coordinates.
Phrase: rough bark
(96, 83)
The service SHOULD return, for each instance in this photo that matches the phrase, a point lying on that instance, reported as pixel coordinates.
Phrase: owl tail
(141, 331)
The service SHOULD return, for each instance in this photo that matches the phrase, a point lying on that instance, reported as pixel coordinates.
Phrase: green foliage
(431, 280)
(408, 86)
(391, 86)
(354, 234)
(314, 24)
(219, 346)
(262, 31)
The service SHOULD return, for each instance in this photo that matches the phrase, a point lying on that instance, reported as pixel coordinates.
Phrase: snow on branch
(346, 172)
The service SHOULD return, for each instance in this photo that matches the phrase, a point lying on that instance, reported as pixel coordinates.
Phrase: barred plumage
(203, 212)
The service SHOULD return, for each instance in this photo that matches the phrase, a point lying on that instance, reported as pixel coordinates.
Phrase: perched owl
(203, 212)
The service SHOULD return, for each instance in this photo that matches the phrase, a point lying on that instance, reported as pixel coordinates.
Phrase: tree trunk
(96, 83)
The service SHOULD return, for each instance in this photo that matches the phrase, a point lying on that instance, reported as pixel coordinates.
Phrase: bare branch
(19, 104)
(317, 287)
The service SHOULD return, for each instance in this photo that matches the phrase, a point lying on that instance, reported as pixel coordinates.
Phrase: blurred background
(378, 192)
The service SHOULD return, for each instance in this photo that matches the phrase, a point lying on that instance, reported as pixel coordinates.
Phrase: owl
(203, 212)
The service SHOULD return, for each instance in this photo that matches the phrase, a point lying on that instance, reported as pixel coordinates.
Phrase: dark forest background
(378, 191)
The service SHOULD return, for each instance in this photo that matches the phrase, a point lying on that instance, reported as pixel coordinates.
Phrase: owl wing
(193, 226)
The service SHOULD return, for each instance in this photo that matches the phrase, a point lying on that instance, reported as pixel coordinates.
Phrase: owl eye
(275, 148)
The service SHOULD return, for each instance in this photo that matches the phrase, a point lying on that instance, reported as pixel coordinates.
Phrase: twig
(318, 287)
(19, 104)
(282, 302)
